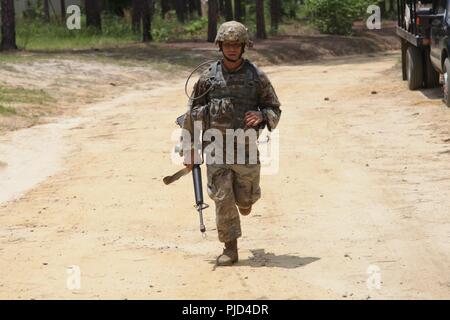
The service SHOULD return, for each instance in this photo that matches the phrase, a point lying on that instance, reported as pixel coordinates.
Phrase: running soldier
(232, 96)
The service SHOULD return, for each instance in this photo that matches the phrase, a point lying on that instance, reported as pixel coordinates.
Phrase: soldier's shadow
(261, 258)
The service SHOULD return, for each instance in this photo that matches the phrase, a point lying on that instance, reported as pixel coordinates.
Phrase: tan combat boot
(229, 255)
(245, 211)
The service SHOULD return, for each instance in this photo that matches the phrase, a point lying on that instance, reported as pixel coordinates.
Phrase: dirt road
(358, 210)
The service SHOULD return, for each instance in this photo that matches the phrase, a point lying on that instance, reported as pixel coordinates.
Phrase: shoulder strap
(213, 70)
(216, 74)
(253, 69)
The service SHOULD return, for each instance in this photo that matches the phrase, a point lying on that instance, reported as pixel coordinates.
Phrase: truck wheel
(404, 48)
(414, 67)
(446, 82)
(431, 75)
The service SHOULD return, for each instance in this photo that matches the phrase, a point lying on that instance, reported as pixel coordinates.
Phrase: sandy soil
(70, 82)
(363, 185)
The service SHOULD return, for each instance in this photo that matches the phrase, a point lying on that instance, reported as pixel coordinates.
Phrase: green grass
(7, 111)
(23, 56)
(12, 58)
(22, 95)
(35, 35)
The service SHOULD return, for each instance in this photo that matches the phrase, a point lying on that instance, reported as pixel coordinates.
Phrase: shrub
(335, 16)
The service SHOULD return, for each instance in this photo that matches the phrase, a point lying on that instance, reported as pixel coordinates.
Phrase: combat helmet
(233, 31)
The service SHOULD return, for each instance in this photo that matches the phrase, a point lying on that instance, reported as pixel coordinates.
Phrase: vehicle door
(438, 32)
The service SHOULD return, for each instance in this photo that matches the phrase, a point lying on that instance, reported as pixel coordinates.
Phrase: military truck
(424, 30)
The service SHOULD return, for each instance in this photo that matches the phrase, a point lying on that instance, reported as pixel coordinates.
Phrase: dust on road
(359, 208)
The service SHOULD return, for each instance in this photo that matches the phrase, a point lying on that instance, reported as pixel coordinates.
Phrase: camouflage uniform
(223, 107)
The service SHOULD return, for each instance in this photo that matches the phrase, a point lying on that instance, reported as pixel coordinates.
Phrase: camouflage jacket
(233, 94)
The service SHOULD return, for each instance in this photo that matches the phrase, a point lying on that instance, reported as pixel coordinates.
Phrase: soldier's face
(232, 50)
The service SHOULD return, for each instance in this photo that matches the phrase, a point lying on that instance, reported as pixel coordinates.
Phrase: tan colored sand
(363, 184)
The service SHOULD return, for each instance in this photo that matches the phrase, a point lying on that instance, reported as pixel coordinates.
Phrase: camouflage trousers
(231, 185)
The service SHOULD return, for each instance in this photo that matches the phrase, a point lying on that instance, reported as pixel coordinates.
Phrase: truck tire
(414, 67)
(404, 47)
(446, 85)
(431, 75)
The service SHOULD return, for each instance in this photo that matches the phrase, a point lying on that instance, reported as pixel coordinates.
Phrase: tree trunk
(180, 8)
(117, 8)
(204, 6)
(260, 23)
(63, 10)
(275, 14)
(221, 8)
(228, 10)
(212, 19)
(93, 17)
(165, 7)
(387, 7)
(238, 10)
(136, 11)
(192, 8)
(8, 25)
(199, 7)
(147, 12)
(46, 11)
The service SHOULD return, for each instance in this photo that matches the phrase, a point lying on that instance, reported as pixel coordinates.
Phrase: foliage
(335, 16)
